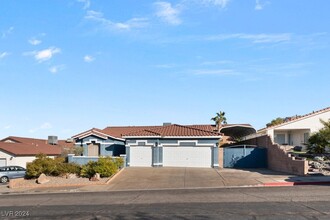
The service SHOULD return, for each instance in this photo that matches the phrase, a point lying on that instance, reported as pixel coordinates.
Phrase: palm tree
(219, 119)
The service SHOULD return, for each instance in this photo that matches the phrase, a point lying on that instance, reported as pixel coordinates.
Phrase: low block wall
(278, 158)
(82, 160)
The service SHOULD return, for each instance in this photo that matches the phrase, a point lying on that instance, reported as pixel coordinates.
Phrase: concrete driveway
(133, 178)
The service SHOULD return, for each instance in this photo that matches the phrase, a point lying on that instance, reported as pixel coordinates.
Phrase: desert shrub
(50, 167)
(105, 166)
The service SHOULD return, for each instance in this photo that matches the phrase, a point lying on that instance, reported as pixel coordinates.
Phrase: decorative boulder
(96, 177)
(42, 179)
(318, 158)
(70, 176)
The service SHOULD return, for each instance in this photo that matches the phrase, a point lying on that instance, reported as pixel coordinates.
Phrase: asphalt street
(300, 202)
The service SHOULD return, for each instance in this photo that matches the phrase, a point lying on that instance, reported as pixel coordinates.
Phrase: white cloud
(34, 41)
(167, 13)
(218, 62)
(88, 58)
(55, 69)
(218, 3)
(108, 24)
(87, 3)
(222, 72)
(255, 38)
(7, 127)
(44, 126)
(3, 55)
(260, 5)
(165, 66)
(5, 33)
(43, 55)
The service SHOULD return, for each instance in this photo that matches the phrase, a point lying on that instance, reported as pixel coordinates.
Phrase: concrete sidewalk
(185, 178)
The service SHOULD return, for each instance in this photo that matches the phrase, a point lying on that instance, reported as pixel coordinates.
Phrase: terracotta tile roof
(174, 130)
(120, 131)
(23, 149)
(298, 118)
(34, 141)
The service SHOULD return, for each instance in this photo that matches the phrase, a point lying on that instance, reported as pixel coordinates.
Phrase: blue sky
(69, 65)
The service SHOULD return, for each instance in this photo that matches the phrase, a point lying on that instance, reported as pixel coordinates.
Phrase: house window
(306, 137)
(279, 138)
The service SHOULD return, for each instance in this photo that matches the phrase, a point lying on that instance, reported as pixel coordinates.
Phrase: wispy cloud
(7, 127)
(56, 69)
(3, 55)
(44, 126)
(110, 25)
(34, 41)
(87, 3)
(260, 5)
(222, 72)
(7, 32)
(168, 13)
(165, 66)
(88, 58)
(218, 3)
(218, 62)
(255, 38)
(43, 55)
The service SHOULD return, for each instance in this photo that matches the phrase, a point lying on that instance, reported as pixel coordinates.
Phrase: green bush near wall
(105, 166)
(50, 167)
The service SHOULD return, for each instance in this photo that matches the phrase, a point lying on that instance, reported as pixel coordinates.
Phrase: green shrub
(50, 167)
(105, 166)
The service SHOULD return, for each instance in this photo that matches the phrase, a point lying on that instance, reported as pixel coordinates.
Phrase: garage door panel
(140, 156)
(187, 156)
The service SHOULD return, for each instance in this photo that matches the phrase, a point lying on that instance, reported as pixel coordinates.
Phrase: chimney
(52, 140)
(167, 123)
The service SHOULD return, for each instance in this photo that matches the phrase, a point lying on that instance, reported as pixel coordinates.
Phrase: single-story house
(169, 145)
(295, 131)
(20, 150)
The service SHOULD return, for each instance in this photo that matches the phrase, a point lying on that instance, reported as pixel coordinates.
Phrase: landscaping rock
(42, 179)
(71, 176)
(318, 158)
(96, 177)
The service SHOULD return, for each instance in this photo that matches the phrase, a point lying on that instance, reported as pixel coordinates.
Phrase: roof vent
(167, 123)
(52, 140)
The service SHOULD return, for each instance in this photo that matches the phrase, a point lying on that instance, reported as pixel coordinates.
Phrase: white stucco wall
(313, 123)
(17, 161)
(297, 128)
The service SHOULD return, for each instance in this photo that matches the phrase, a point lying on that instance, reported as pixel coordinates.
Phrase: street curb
(114, 176)
(295, 183)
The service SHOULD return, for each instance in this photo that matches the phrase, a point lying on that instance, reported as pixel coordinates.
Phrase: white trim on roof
(174, 137)
(100, 134)
(296, 120)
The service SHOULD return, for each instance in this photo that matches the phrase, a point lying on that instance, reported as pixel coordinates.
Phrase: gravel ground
(59, 181)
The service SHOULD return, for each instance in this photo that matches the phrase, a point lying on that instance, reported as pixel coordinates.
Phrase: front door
(93, 150)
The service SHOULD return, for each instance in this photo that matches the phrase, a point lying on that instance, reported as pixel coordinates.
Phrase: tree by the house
(275, 121)
(318, 142)
(219, 119)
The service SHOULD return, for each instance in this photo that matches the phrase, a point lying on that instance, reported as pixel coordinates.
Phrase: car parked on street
(11, 172)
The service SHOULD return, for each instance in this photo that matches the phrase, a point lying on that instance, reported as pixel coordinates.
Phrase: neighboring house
(167, 145)
(295, 132)
(20, 151)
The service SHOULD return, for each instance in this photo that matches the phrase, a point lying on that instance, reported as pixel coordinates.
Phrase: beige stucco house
(297, 130)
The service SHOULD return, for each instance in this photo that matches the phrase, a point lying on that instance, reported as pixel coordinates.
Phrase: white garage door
(2, 162)
(187, 157)
(140, 156)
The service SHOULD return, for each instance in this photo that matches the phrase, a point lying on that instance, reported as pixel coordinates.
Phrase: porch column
(215, 156)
